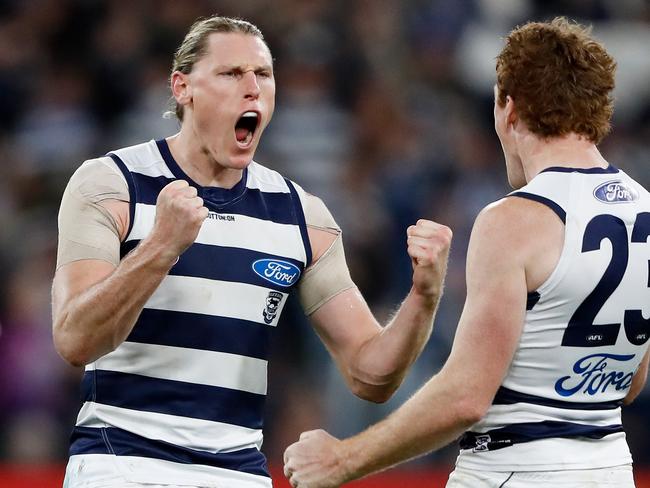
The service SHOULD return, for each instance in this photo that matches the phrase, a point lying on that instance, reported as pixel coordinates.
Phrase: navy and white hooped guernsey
(181, 400)
(585, 332)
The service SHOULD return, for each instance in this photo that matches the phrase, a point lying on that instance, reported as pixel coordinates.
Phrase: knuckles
(446, 233)
(429, 230)
(442, 236)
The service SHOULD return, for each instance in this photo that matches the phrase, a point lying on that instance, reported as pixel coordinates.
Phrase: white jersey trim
(219, 233)
(197, 295)
(265, 179)
(182, 431)
(145, 159)
(196, 366)
(504, 415)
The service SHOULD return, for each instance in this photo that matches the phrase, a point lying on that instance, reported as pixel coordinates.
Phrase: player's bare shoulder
(523, 230)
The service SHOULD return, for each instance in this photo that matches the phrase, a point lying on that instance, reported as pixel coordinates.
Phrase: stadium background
(384, 109)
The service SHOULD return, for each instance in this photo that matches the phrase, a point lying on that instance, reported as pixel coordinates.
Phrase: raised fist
(179, 216)
(428, 246)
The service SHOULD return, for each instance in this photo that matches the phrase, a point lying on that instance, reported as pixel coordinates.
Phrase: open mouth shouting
(245, 128)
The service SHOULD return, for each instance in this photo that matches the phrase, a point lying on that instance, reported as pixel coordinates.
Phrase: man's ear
(510, 112)
(181, 87)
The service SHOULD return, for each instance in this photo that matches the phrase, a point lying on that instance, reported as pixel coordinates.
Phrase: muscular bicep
(344, 324)
(337, 310)
(73, 279)
(491, 323)
(93, 216)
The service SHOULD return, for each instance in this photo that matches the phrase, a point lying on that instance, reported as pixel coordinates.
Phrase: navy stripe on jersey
(111, 440)
(204, 332)
(561, 169)
(217, 196)
(533, 431)
(531, 300)
(538, 198)
(506, 396)
(276, 207)
(133, 195)
(300, 214)
(222, 263)
(174, 398)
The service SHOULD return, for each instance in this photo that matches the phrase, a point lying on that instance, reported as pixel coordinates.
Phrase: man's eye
(233, 73)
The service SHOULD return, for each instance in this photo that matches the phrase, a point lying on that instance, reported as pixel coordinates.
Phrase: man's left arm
(458, 396)
(372, 359)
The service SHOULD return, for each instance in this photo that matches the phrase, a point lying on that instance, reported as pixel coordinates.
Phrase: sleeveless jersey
(181, 400)
(584, 335)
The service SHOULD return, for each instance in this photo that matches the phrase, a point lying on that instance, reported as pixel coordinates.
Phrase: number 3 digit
(637, 329)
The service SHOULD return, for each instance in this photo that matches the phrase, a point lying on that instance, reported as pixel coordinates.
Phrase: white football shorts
(614, 477)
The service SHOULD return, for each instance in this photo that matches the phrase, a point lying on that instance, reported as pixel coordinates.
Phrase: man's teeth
(249, 114)
(249, 138)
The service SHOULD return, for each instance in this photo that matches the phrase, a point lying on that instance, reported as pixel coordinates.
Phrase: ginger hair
(560, 78)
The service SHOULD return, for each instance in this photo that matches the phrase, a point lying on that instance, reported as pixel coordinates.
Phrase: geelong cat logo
(272, 303)
(615, 192)
(278, 272)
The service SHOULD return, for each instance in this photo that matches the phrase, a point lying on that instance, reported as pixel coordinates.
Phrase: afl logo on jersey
(615, 192)
(281, 273)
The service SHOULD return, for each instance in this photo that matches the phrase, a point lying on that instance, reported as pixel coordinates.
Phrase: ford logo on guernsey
(615, 192)
(597, 373)
(278, 272)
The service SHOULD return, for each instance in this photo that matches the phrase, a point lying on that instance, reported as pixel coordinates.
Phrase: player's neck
(199, 165)
(570, 151)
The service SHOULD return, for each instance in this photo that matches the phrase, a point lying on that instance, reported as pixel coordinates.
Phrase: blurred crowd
(384, 110)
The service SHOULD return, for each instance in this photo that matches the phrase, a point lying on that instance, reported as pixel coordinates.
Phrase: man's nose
(252, 88)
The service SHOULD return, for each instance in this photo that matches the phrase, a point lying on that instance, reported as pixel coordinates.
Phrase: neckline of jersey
(213, 194)
(597, 170)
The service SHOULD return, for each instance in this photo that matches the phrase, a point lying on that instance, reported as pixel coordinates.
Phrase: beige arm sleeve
(87, 230)
(329, 275)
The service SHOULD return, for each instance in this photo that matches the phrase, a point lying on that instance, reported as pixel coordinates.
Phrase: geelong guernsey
(181, 400)
(586, 330)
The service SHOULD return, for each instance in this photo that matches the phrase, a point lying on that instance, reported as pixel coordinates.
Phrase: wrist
(350, 461)
(159, 254)
(426, 299)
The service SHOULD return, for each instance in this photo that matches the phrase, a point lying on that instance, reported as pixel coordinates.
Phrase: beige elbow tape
(87, 230)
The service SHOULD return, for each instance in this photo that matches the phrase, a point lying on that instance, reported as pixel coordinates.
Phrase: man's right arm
(95, 303)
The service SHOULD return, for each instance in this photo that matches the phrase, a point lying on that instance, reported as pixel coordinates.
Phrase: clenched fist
(315, 461)
(179, 216)
(428, 246)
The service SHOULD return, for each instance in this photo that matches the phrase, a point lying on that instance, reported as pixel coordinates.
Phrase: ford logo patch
(615, 192)
(278, 272)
